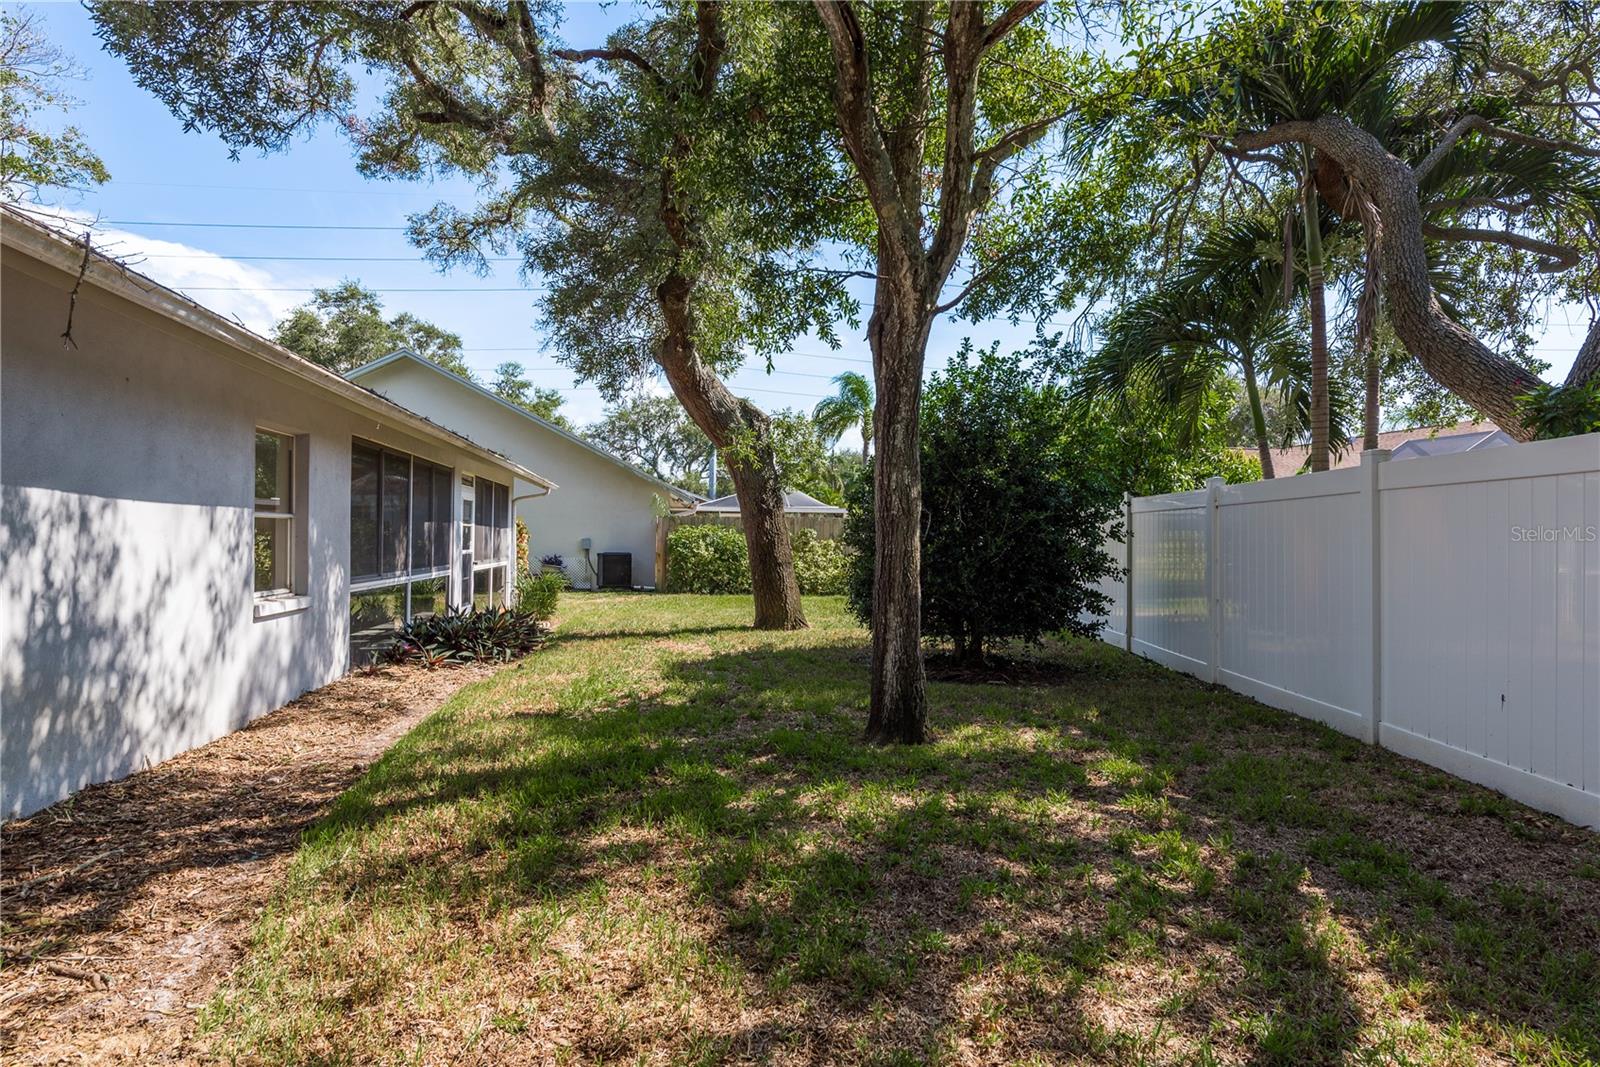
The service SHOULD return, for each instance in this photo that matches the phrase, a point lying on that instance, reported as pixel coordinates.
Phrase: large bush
(1013, 520)
(707, 559)
(715, 559)
(821, 564)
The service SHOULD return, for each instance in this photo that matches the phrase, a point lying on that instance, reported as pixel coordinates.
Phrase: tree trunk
(743, 435)
(1452, 356)
(1258, 417)
(766, 535)
(1319, 327)
(1586, 366)
(898, 335)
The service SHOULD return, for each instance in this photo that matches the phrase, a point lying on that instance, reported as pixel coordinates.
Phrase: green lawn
(660, 840)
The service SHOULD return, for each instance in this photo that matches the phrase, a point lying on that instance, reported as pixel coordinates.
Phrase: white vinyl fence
(1445, 607)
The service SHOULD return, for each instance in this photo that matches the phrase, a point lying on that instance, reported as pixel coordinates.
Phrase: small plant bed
(454, 638)
(662, 840)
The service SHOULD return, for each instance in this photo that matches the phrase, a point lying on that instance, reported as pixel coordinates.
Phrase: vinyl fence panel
(1445, 607)
(1290, 589)
(1169, 603)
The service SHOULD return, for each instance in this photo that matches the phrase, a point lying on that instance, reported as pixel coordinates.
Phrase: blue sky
(162, 174)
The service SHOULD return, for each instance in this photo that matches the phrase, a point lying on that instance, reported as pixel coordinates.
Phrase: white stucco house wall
(196, 525)
(606, 504)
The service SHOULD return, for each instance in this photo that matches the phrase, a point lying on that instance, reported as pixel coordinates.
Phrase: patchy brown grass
(126, 904)
(661, 841)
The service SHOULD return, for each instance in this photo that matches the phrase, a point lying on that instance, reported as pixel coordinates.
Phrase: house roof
(52, 246)
(1423, 441)
(793, 500)
(687, 498)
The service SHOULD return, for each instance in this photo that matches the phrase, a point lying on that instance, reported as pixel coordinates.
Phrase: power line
(306, 259)
(312, 289)
(248, 225)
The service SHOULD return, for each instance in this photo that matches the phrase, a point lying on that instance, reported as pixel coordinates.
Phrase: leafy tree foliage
(511, 384)
(653, 433)
(661, 184)
(1015, 518)
(344, 327)
(804, 458)
(32, 71)
(1452, 146)
(1219, 312)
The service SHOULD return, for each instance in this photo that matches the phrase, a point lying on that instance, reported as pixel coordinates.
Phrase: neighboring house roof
(678, 493)
(793, 500)
(1452, 443)
(1402, 444)
(65, 252)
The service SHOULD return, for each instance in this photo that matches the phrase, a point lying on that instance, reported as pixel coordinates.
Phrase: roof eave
(32, 238)
(675, 492)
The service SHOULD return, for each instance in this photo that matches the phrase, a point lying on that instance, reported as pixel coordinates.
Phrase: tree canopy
(511, 384)
(32, 75)
(344, 327)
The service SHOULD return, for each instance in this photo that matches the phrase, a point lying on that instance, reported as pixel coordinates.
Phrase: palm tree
(1311, 61)
(1220, 312)
(851, 406)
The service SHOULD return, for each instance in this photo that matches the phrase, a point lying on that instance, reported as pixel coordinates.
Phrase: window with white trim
(274, 515)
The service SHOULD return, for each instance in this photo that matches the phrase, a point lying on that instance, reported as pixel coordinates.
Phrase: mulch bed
(126, 904)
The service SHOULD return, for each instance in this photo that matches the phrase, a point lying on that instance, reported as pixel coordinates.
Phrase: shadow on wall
(128, 638)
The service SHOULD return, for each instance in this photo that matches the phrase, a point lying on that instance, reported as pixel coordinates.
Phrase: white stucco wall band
(599, 499)
(127, 629)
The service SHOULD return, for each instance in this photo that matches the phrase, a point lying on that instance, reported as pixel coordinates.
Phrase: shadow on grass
(1125, 837)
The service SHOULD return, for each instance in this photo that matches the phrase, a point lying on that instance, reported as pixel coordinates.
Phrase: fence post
(1127, 578)
(1369, 611)
(1213, 582)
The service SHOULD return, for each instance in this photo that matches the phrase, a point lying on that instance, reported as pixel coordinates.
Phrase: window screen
(364, 463)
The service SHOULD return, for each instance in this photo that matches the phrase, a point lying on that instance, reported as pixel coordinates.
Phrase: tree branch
(1461, 126)
(610, 55)
(453, 108)
(1006, 22)
(1557, 257)
(863, 139)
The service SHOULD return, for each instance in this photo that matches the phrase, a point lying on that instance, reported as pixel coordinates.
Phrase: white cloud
(232, 289)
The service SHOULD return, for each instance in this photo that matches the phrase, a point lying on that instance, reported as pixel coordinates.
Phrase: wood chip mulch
(125, 905)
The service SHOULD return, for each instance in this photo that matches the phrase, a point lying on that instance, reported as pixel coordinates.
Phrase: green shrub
(537, 593)
(715, 559)
(1013, 519)
(707, 559)
(455, 637)
(821, 565)
(1561, 411)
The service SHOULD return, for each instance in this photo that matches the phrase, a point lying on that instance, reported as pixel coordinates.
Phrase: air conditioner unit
(616, 570)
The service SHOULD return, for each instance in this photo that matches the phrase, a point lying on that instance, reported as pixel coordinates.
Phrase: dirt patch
(126, 904)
